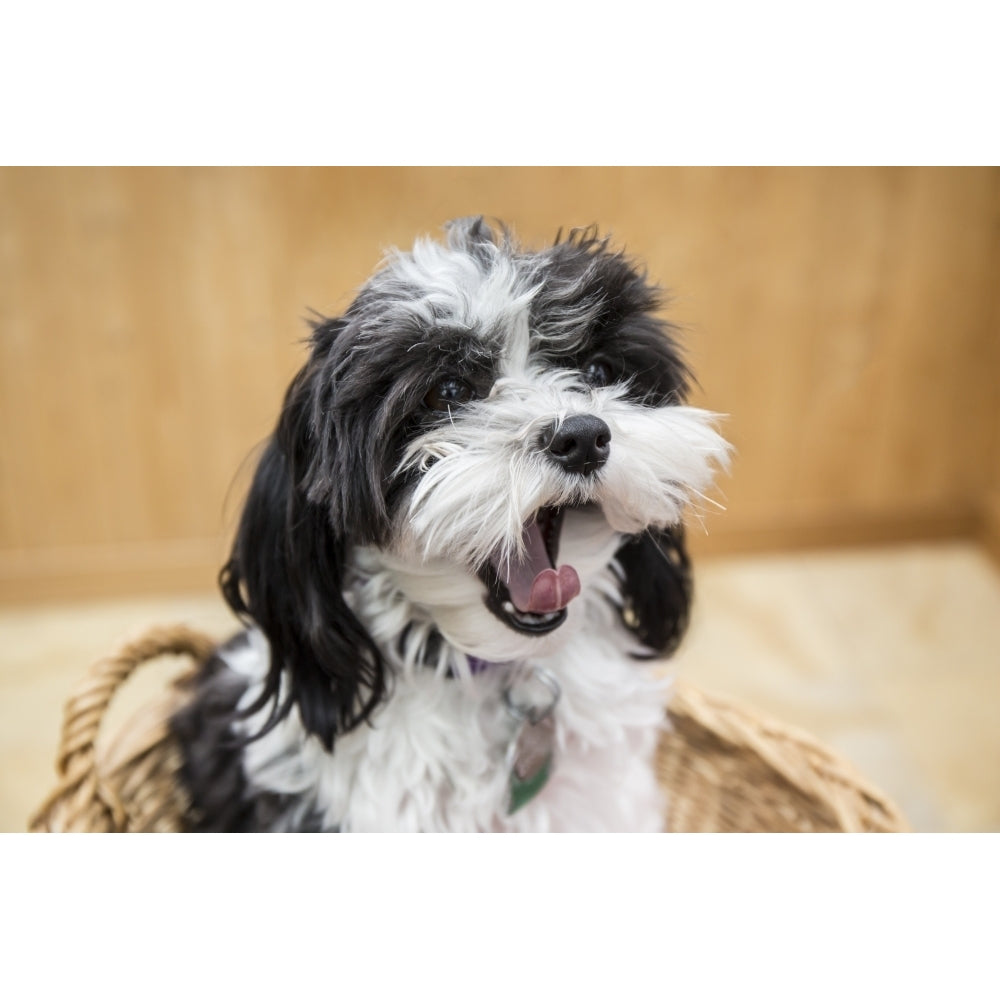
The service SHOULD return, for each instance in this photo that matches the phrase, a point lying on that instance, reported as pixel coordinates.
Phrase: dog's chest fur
(434, 756)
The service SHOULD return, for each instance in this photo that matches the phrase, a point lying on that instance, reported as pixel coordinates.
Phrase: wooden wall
(848, 320)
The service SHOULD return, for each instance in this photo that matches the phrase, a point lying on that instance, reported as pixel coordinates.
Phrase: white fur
(488, 474)
(433, 758)
(448, 289)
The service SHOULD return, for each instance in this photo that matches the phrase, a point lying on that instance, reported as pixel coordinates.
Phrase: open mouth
(529, 593)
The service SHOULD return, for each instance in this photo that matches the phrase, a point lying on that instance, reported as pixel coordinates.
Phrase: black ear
(656, 587)
(285, 573)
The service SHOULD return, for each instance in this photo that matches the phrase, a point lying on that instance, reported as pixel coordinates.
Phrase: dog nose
(581, 444)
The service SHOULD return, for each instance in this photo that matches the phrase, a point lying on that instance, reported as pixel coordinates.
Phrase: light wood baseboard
(856, 530)
(989, 526)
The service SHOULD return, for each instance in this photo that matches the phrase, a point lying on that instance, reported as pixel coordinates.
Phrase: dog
(461, 556)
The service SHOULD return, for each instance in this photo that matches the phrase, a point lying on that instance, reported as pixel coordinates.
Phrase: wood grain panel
(848, 320)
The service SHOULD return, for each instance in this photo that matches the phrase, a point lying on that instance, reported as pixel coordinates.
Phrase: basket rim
(89, 780)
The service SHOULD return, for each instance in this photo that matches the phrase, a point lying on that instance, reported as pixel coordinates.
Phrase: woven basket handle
(81, 790)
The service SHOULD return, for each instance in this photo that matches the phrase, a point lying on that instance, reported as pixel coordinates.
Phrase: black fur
(366, 390)
(286, 573)
(220, 800)
(582, 276)
(657, 588)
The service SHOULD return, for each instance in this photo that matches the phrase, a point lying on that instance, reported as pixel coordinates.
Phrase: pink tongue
(534, 585)
(552, 590)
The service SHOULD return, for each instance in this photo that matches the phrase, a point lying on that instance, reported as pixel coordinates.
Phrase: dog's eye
(597, 374)
(448, 393)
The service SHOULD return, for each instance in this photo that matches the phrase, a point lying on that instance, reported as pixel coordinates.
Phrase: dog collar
(478, 666)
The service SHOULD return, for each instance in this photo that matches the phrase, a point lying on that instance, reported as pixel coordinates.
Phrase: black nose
(581, 444)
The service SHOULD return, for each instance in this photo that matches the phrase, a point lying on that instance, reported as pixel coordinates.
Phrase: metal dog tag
(531, 752)
(530, 761)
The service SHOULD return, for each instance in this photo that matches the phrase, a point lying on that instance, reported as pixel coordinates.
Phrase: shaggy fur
(479, 473)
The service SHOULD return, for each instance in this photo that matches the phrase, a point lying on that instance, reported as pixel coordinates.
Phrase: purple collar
(477, 666)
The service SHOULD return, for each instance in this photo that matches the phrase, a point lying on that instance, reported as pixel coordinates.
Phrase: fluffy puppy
(460, 556)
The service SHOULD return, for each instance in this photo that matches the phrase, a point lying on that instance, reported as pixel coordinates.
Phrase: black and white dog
(460, 556)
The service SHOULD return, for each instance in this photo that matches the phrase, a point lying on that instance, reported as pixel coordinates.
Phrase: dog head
(492, 431)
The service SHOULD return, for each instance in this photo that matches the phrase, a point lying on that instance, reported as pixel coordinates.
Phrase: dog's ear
(656, 587)
(285, 574)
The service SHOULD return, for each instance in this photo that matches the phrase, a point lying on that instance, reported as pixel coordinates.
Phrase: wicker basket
(725, 768)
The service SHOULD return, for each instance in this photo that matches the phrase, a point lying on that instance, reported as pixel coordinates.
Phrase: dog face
(489, 427)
